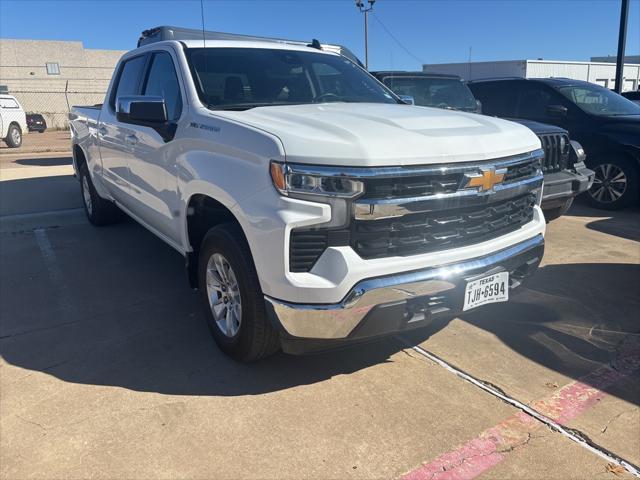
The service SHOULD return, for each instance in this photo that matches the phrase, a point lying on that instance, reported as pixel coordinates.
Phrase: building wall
(478, 70)
(83, 79)
(601, 73)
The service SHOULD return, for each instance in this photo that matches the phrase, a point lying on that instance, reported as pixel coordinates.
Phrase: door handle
(131, 139)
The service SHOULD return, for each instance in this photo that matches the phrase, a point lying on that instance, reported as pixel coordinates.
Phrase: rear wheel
(232, 298)
(14, 136)
(615, 184)
(99, 211)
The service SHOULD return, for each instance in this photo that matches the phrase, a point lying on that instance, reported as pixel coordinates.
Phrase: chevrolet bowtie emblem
(486, 180)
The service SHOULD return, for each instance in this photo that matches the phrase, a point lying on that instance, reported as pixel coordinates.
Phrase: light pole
(366, 9)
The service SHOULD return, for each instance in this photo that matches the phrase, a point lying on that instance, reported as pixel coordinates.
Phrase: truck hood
(375, 134)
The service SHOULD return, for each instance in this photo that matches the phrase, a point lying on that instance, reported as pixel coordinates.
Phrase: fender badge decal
(202, 126)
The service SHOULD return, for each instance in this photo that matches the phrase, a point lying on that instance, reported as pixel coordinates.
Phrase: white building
(602, 73)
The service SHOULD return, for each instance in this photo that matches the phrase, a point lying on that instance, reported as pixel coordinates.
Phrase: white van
(13, 121)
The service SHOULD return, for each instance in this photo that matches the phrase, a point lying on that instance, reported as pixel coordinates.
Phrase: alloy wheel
(16, 136)
(223, 293)
(609, 184)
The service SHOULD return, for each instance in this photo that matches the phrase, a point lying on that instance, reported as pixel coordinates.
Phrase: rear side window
(8, 103)
(534, 101)
(162, 81)
(129, 78)
(498, 98)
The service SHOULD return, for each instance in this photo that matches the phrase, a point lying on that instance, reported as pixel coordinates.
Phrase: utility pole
(622, 40)
(364, 9)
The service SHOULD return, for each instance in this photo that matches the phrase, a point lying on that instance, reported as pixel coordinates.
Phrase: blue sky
(431, 30)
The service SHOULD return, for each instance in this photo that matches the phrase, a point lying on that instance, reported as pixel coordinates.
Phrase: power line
(400, 44)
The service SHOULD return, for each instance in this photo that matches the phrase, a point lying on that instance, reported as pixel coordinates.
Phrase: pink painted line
(487, 450)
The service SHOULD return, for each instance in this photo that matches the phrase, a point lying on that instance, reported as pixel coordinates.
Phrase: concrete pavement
(108, 369)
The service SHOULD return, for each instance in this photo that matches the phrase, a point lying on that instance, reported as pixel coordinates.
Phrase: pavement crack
(44, 429)
(570, 433)
(614, 418)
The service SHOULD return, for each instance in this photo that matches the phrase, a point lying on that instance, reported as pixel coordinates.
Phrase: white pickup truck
(312, 205)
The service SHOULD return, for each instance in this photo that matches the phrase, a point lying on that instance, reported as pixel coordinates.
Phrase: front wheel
(232, 297)
(615, 184)
(14, 137)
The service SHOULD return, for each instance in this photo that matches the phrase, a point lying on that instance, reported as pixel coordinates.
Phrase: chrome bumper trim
(336, 321)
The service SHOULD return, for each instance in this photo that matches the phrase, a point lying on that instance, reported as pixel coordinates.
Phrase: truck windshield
(448, 93)
(243, 78)
(600, 101)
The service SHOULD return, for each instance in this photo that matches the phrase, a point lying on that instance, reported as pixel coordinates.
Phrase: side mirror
(479, 105)
(408, 99)
(557, 111)
(141, 110)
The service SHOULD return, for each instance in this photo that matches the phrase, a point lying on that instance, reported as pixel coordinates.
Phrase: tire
(555, 213)
(615, 185)
(99, 211)
(240, 326)
(14, 136)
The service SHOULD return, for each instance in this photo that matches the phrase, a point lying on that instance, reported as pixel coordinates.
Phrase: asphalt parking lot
(108, 369)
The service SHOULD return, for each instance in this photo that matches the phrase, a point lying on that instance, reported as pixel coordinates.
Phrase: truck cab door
(115, 149)
(152, 175)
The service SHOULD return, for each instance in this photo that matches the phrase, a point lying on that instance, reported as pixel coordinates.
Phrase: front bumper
(393, 303)
(566, 184)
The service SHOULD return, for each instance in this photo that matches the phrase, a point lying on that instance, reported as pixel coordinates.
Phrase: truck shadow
(117, 311)
(45, 161)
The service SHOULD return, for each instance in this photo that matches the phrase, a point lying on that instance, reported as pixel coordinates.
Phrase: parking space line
(56, 276)
(489, 448)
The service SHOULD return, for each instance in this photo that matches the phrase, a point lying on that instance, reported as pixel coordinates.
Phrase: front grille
(414, 210)
(411, 186)
(427, 232)
(555, 159)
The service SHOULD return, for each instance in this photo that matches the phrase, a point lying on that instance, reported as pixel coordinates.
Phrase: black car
(605, 123)
(565, 174)
(634, 96)
(36, 122)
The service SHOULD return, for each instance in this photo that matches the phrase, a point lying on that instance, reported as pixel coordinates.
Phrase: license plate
(488, 289)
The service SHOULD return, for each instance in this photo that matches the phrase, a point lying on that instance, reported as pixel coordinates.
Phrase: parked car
(13, 122)
(634, 96)
(314, 208)
(606, 124)
(565, 174)
(36, 122)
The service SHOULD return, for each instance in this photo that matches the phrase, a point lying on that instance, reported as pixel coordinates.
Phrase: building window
(53, 68)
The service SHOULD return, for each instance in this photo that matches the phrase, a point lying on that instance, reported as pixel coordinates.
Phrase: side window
(498, 98)
(534, 101)
(8, 103)
(162, 81)
(129, 78)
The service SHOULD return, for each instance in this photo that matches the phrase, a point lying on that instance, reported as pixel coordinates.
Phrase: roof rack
(165, 32)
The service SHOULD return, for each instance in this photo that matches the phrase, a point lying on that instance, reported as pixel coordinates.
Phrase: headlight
(299, 179)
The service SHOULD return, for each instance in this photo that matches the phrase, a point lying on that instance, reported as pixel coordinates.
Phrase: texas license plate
(488, 289)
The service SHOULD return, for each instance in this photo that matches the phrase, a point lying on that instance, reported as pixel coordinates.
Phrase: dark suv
(36, 122)
(605, 123)
(565, 174)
